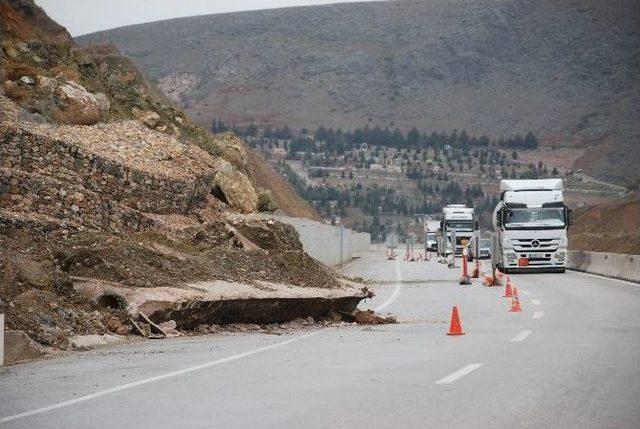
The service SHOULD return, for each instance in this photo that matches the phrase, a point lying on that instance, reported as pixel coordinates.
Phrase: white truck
(530, 226)
(461, 220)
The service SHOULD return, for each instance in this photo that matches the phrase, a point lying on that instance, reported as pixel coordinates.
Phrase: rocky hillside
(104, 183)
(564, 70)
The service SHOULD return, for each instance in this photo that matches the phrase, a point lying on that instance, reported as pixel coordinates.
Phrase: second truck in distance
(458, 224)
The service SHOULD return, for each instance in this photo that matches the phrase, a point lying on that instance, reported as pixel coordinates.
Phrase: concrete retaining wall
(331, 245)
(616, 265)
(1, 339)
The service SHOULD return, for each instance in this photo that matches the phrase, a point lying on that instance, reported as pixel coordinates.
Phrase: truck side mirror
(499, 218)
(476, 225)
(502, 216)
(567, 216)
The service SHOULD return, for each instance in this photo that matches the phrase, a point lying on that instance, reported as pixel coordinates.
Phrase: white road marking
(525, 292)
(535, 301)
(157, 378)
(522, 335)
(538, 314)
(459, 373)
(396, 290)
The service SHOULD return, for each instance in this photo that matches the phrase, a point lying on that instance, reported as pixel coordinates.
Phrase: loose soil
(38, 267)
(613, 227)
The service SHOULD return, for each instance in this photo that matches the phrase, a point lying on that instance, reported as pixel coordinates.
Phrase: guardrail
(615, 265)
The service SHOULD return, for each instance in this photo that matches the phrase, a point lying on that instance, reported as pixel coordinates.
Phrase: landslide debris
(38, 269)
(103, 180)
(369, 317)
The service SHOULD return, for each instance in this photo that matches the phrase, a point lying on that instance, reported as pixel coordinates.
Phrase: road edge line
(156, 378)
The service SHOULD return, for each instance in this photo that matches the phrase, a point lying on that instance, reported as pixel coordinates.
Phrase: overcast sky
(87, 16)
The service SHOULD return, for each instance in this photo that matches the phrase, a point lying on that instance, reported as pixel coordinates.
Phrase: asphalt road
(571, 359)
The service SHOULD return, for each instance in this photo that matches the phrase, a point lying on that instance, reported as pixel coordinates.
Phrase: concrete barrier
(1, 339)
(616, 265)
(329, 244)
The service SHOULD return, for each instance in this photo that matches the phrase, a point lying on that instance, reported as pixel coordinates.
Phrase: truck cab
(530, 223)
(457, 220)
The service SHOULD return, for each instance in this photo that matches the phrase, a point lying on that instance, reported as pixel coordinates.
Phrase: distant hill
(567, 70)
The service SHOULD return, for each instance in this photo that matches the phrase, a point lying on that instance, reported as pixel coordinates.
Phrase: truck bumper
(547, 264)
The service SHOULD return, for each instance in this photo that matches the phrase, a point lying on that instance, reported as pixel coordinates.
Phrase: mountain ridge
(563, 70)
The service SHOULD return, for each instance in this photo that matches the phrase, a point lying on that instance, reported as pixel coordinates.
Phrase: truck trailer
(530, 225)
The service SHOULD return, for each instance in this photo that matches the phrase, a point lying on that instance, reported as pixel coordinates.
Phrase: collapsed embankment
(103, 182)
(221, 302)
(56, 285)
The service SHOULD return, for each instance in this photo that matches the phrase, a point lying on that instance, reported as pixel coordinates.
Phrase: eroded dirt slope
(613, 227)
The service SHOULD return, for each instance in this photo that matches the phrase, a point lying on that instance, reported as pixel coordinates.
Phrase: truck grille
(534, 245)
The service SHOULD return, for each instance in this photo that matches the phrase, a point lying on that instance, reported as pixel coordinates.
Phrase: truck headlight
(560, 255)
(511, 255)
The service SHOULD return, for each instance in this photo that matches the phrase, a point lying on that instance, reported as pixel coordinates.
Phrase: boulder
(103, 103)
(236, 187)
(92, 341)
(147, 117)
(47, 83)
(169, 328)
(27, 80)
(233, 148)
(75, 105)
(18, 347)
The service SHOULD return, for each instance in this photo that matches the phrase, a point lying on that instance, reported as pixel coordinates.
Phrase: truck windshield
(535, 218)
(431, 237)
(460, 225)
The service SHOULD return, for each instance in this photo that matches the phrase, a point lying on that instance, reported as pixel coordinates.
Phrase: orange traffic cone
(456, 327)
(515, 291)
(515, 305)
(508, 293)
(464, 280)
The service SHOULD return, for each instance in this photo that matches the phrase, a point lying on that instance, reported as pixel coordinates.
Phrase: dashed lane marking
(459, 373)
(525, 292)
(522, 335)
(538, 314)
(535, 301)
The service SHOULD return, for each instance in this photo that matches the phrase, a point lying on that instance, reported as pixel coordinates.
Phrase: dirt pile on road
(38, 270)
(369, 317)
(216, 250)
